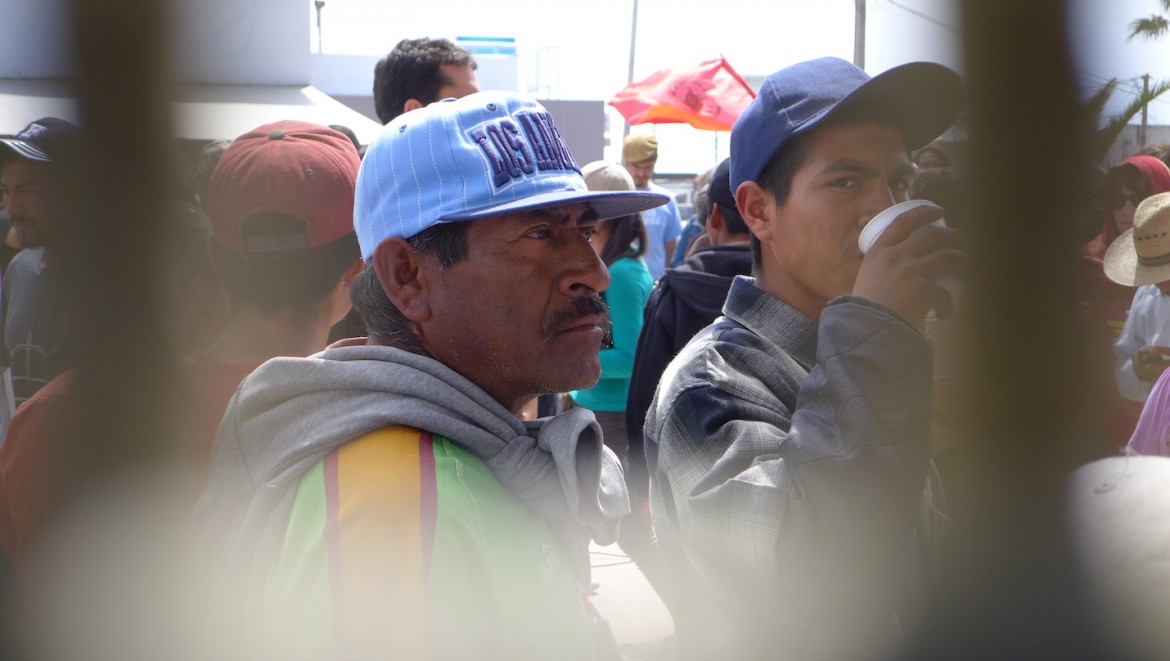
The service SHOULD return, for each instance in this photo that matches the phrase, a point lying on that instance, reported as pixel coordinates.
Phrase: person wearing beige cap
(1141, 257)
(621, 244)
(663, 224)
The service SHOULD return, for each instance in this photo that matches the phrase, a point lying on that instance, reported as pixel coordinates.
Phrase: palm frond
(1112, 128)
(1151, 27)
(1095, 105)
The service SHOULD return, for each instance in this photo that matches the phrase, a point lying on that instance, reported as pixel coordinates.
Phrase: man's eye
(845, 182)
(589, 232)
(539, 234)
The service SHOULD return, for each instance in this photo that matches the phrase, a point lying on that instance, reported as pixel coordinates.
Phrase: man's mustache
(581, 307)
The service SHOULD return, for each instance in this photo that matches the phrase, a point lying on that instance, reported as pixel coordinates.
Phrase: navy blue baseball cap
(46, 139)
(921, 98)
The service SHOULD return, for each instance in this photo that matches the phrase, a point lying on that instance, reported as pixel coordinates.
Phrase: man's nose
(584, 273)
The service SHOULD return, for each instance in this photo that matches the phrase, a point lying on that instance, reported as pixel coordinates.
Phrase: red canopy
(710, 96)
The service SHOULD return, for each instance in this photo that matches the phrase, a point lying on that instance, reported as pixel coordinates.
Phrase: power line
(1123, 84)
(1094, 78)
(926, 17)
(1104, 79)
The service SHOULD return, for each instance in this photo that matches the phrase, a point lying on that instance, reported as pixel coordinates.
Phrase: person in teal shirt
(621, 243)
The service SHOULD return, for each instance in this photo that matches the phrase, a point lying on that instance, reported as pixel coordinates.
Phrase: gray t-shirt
(37, 330)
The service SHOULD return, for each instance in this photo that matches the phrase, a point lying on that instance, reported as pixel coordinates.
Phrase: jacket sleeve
(807, 508)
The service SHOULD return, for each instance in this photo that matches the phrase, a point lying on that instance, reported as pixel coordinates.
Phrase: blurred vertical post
(1012, 590)
(859, 33)
(123, 212)
(1142, 135)
(633, 50)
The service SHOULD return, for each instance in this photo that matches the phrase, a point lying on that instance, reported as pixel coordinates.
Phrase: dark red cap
(296, 168)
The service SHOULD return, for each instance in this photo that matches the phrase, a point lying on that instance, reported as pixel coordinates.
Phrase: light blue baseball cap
(486, 154)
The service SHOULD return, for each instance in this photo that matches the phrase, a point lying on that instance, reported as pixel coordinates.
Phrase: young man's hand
(901, 270)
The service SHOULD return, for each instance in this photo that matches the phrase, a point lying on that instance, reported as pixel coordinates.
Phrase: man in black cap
(789, 441)
(37, 333)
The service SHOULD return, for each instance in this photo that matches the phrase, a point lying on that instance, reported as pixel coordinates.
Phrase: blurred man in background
(419, 72)
(663, 225)
(38, 333)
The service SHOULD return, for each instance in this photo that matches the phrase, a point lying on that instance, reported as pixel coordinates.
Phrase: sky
(580, 50)
(593, 38)
(1098, 30)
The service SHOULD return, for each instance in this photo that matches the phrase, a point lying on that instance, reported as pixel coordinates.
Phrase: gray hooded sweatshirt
(291, 412)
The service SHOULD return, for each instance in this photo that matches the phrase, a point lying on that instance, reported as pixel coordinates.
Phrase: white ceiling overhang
(201, 112)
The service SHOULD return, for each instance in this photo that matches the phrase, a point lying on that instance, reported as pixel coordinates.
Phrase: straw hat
(1141, 256)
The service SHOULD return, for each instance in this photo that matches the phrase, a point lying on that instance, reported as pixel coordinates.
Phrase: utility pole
(1145, 104)
(630, 71)
(858, 34)
(320, 4)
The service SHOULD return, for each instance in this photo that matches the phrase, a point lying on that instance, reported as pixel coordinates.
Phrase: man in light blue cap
(788, 442)
(398, 505)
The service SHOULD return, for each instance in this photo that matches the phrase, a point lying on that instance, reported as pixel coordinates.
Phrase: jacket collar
(789, 330)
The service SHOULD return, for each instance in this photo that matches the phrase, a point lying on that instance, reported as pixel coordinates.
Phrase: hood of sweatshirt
(701, 282)
(291, 412)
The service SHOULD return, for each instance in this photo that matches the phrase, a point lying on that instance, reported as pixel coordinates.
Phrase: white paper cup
(878, 224)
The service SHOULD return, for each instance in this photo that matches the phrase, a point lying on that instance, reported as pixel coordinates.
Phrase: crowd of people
(763, 416)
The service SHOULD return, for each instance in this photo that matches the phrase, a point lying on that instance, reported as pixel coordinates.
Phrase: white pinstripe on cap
(487, 154)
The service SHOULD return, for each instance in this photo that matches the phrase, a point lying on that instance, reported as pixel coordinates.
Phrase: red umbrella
(710, 96)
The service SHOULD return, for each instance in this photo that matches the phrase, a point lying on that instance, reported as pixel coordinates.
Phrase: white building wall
(35, 38)
(1127, 143)
(242, 42)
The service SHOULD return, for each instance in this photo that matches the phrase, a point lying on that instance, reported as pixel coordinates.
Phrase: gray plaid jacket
(788, 461)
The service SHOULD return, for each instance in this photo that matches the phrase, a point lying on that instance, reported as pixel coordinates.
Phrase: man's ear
(411, 104)
(715, 224)
(753, 201)
(400, 271)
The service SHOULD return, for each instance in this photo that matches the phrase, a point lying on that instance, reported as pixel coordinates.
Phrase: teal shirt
(629, 289)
